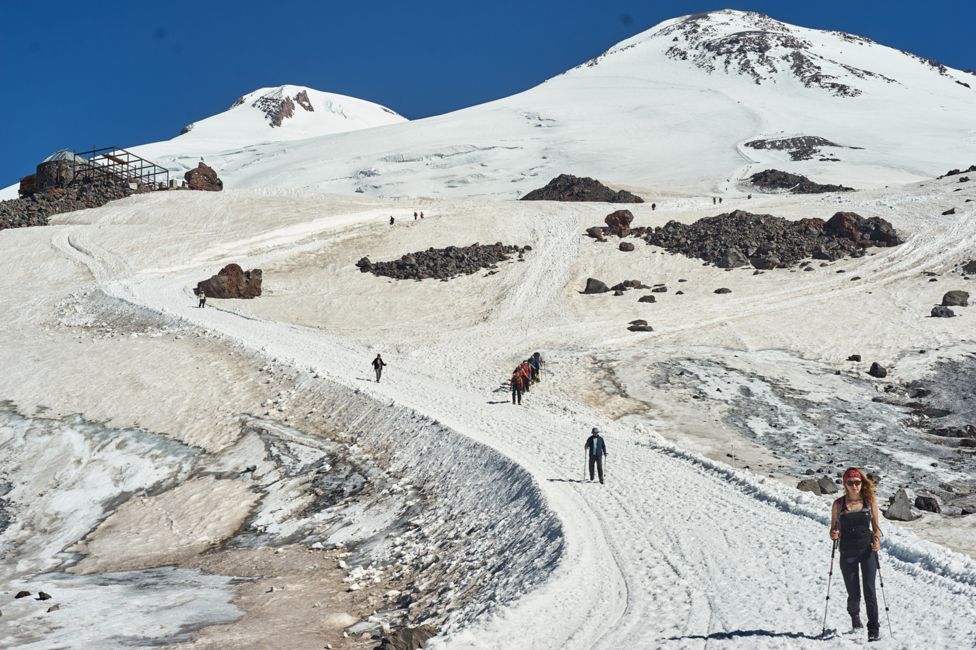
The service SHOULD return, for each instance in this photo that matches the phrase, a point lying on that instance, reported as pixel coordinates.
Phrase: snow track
(675, 550)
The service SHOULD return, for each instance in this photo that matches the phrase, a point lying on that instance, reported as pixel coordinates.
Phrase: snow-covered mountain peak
(292, 112)
(766, 51)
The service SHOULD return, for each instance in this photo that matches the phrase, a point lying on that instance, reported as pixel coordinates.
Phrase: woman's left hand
(876, 545)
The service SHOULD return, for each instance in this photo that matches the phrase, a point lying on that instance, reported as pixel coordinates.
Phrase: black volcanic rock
(443, 263)
(567, 187)
(739, 238)
(774, 180)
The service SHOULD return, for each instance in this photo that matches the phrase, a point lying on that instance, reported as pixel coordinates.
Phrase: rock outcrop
(443, 263)
(619, 222)
(567, 187)
(742, 238)
(955, 299)
(36, 208)
(203, 178)
(232, 282)
(774, 180)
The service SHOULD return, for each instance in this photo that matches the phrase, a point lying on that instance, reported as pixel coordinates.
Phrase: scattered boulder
(723, 290)
(969, 267)
(955, 172)
(955, 299)
(863, 232)
(22, 594)
(407, 638)
(900, 508)
(443, 263)
(43, 596)
(659, 289)
(567, 187)
(948, 212)
(732, 258)
(877, 370)
(595, 286)
(827, 485)
(597, 233)
(203, 178)
(647, 298)
(626, 246)
(809, 485)
(640, 326)
(940, 311)
(774, 180)
(765, 262)
(928, 504)
(619, 222)
(232, 282)
(854, 357)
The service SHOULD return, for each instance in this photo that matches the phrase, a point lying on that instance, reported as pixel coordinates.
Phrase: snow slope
(677, 550)
(669, 108)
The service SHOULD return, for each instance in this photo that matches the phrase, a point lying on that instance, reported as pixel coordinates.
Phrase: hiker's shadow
(736, 634)
(568, 480)
(504, 401)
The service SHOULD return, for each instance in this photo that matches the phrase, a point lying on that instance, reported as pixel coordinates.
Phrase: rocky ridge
(774, 180)
(567, 187)
(444, 263)
(35, 209)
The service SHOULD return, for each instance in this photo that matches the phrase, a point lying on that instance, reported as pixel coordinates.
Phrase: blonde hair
(867, 485)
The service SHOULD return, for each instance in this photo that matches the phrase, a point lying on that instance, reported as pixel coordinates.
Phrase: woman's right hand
(834, 534)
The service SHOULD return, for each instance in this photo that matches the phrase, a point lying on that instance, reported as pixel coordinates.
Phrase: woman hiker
(854, 521)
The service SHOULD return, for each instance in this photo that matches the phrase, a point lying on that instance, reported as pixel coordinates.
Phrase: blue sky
(109, 72)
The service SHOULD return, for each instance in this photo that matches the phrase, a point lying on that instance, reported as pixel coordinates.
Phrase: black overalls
(855, 552)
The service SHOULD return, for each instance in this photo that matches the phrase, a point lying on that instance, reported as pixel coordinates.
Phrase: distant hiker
(525, 370)
(854, 521)
(538, 366)
(534, 365)
(749, 196)
(653, 207)
(415, 215)
(378, 364)
(720, 200)
(203, 299)
(515, 383)
(421, 214)
(714, 201)
(597, 449)
(391, 219)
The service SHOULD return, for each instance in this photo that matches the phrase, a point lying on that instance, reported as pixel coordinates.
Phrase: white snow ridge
(234, 476)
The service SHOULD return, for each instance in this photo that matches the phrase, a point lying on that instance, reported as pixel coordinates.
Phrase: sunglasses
(852, 482)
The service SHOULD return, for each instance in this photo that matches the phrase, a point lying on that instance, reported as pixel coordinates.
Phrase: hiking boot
(874, 635)
(856, 621)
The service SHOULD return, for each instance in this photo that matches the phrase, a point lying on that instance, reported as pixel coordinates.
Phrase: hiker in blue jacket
(597, 449)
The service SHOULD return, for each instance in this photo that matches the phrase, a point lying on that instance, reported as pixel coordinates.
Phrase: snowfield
(232, 476)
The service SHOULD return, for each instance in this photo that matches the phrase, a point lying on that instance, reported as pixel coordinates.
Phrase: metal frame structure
(125, 166)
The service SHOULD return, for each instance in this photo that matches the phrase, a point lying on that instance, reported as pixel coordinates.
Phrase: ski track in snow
(676, 550)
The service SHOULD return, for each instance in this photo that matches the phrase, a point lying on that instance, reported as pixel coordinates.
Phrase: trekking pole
(883, 596)
(584, 465)
(829, 576)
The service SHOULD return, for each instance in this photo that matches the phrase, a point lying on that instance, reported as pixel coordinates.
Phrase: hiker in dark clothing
(516, 386)
(597, 449)
(534, 366)
(378, 364)
(854, 521)
(391, 219)
(653, 207)
(203, 299)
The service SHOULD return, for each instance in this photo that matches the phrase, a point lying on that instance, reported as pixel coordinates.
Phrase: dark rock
(900, 508)
(618, 292)
(765, 262)
(809, 485)
(854, 357)
(863, 232)
(53, 608)
(567, 187)
(407, 638)
(43, 596)
(969, 267)
(955, 299)
(942, 312)
(638, 321)
(659, 289)
(949, 211)
(22, 594)
(595, 286)
(619, 222)
(772, 180)
(877, 370)
(640, 328)
(827, 486)
(443, 263)
(723, 290)
(203, 178)
(731, 259)
(647, 298)
(597, 233)
(626, 246)
(928, 504)
(232, 282)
